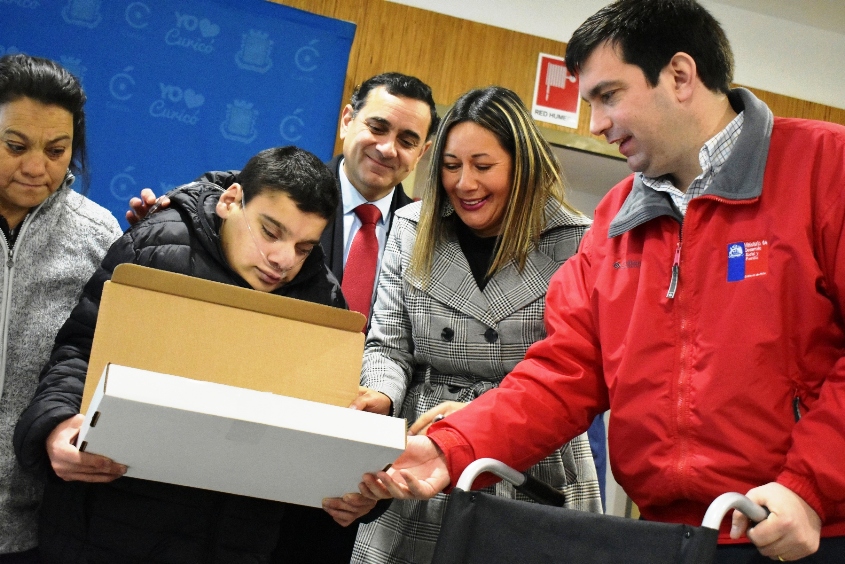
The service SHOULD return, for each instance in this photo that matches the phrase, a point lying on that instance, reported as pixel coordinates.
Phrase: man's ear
(425, 148)
(345, 119)
(684, 75)
(229, 200)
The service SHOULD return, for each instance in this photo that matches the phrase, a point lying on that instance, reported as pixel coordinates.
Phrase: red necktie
(359, 275)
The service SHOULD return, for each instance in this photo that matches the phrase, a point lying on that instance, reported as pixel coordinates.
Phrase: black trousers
(310, 536)
(28, 557)
(831, 551)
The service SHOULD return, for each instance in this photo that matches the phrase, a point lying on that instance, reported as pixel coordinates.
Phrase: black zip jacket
(131, 520)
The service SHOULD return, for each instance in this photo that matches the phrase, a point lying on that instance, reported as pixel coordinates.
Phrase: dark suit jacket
(332, 239)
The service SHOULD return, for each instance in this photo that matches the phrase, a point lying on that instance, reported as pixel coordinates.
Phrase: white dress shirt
(351, 200)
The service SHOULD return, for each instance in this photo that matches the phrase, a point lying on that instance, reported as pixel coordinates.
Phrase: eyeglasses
(267, 261)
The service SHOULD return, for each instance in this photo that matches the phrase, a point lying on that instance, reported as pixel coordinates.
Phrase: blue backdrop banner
(176, 88)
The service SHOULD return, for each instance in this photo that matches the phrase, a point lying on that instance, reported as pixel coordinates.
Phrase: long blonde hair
(536, 179)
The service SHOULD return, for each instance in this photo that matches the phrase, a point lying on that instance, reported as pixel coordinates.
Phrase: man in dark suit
(386, 128)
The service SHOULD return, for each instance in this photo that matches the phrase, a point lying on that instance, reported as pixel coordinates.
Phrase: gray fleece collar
(741, 177)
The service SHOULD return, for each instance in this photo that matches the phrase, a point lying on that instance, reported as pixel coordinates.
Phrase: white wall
(771, 53)
(784, 57)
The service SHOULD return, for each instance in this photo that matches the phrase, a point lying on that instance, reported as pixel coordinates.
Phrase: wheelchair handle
(491, 465)
(526, 484)
(732, 500)
(543, 493)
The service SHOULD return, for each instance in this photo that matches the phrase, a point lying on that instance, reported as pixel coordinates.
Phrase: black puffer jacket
(131, 520)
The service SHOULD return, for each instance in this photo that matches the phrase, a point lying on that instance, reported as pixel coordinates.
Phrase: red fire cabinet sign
(556, 98)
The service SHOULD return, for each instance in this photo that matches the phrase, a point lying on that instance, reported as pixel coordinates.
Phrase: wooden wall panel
(793, 107)
(454, 55)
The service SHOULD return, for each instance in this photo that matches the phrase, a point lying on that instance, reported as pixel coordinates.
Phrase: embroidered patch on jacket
(627, 264)
(747, 260)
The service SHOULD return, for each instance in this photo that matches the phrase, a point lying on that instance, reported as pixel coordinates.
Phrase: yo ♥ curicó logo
(170, 105)
(193, 33)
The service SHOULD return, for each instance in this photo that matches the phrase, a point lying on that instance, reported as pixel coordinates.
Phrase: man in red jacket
(704, 308)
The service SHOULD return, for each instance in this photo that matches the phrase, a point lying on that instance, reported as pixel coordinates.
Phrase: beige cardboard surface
(175, 324)
(207, 435)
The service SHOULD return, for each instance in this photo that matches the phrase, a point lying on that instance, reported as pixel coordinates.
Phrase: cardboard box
(235, 440)
(194, 328)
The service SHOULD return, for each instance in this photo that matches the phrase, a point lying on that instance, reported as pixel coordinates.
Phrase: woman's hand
(372, 401)
(344, 510)
(433, 415)
(70, 463)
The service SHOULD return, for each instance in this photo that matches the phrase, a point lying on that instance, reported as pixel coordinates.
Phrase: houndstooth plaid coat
(455, 342)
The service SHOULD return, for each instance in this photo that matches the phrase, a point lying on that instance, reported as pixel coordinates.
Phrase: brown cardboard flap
(242, 298)
(184, 326)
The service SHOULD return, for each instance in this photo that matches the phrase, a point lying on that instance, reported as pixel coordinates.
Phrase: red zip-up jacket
(708, 336)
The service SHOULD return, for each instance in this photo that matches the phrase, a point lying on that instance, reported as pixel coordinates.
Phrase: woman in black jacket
(90, 513)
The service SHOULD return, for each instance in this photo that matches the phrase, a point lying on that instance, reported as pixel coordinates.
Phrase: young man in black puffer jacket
(262, 233)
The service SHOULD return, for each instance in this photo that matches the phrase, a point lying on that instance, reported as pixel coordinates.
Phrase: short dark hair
(648, 33)
(296, 172)
(400, 85)
(43, 80)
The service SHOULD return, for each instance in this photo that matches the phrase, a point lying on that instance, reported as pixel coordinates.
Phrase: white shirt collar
(352, 198)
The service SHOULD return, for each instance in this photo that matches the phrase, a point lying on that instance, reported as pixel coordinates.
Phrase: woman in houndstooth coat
(461, 297)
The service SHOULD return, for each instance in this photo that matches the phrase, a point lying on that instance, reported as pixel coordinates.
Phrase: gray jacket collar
(741, 178)
(507, 291)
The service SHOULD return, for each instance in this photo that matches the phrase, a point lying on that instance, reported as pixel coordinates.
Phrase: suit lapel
(400, 199)
(453, 284)
(332, 238)
(509, 290)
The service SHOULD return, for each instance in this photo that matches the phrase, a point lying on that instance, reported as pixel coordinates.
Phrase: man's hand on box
(344, 510)
(372, 401)
(139, 208)
(71, 464)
